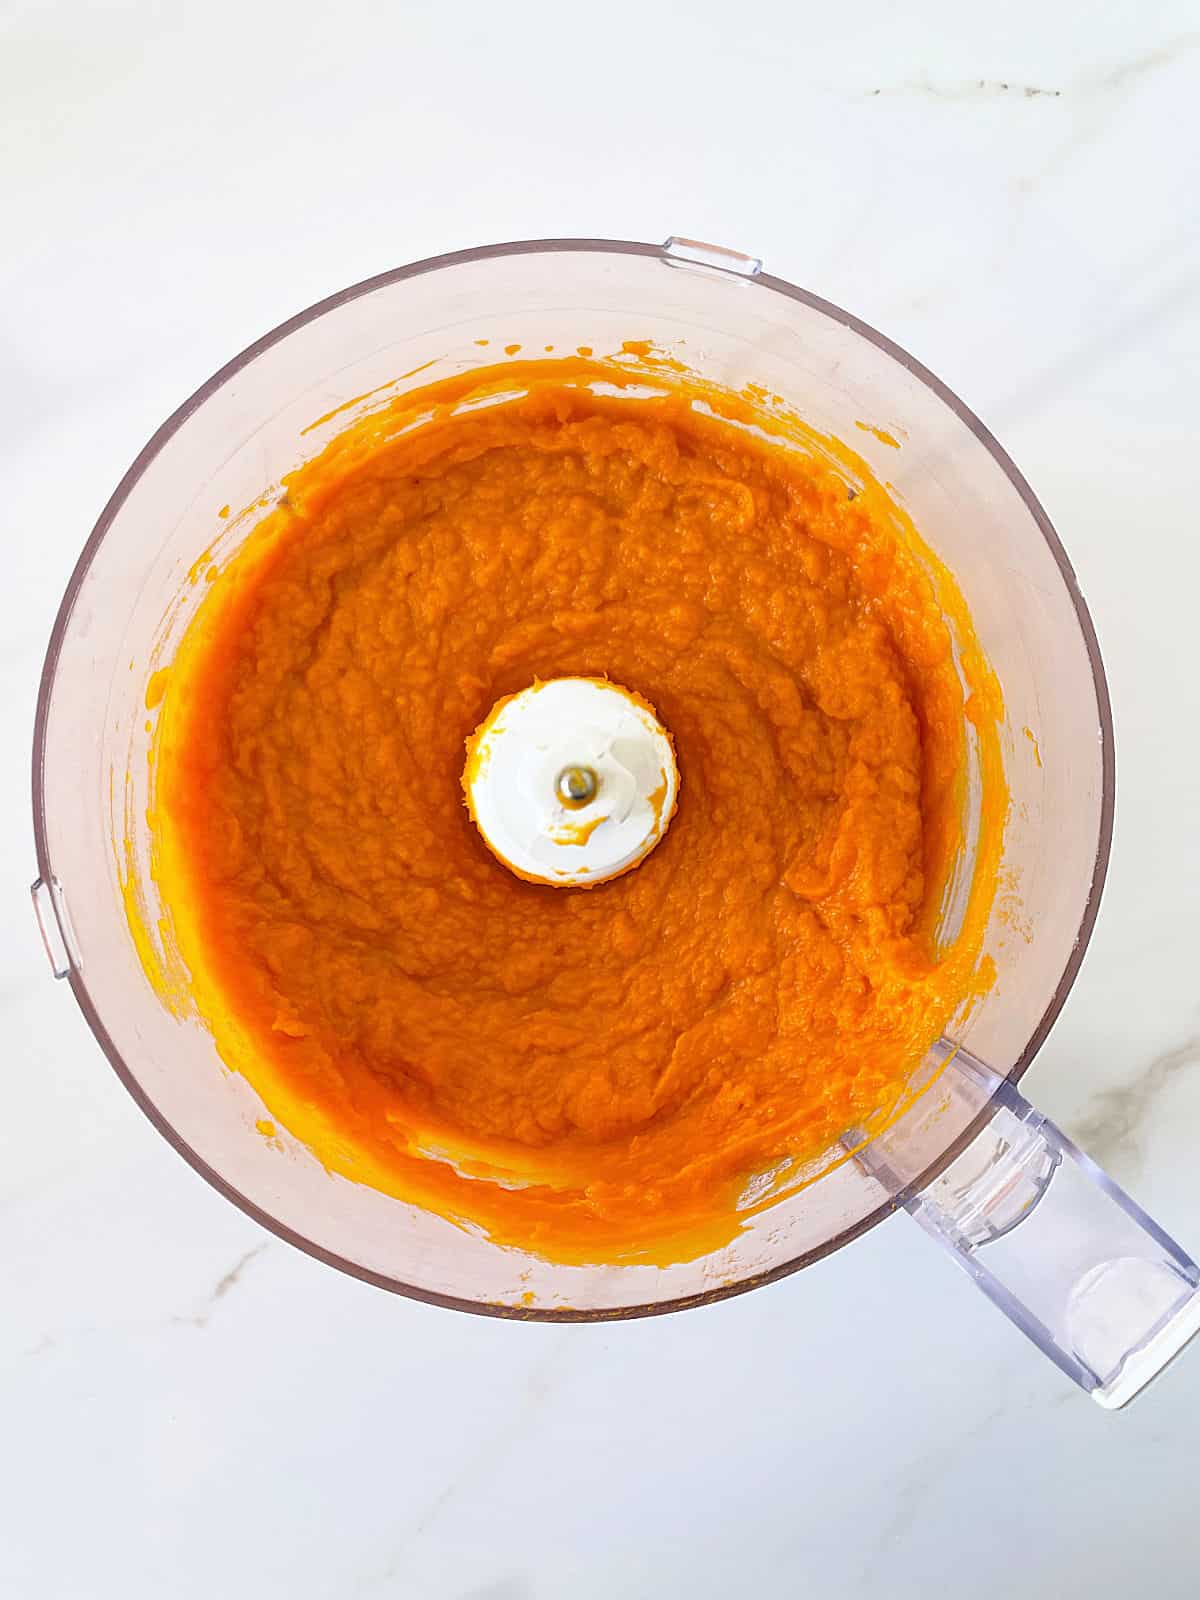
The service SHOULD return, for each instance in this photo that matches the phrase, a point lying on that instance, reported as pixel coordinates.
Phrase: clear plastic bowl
(130, 597)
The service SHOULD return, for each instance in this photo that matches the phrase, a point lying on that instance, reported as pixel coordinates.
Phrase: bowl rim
(757, 279)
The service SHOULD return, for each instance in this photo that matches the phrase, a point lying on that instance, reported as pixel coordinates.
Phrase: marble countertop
(192, 1408)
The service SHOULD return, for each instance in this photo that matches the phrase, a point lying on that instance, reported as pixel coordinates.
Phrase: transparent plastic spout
(1048, 1236)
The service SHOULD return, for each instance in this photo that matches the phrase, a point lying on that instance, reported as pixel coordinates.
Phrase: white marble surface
(191, 1408)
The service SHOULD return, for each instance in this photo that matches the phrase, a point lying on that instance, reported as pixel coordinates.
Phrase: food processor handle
(1051, 1239)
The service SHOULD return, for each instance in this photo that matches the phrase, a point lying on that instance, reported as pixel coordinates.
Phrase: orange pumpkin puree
(588, 1074)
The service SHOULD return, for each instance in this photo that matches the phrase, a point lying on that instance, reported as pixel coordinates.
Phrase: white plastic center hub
(571, 782)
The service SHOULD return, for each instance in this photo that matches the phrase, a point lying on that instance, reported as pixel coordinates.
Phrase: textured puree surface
(629, 1054)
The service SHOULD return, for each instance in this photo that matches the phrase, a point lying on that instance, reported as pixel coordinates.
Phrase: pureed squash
(590, 1074)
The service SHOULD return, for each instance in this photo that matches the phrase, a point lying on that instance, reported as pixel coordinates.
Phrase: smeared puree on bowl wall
(590, 1074)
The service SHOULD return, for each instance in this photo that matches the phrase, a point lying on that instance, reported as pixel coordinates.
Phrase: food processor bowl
(138, 583)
